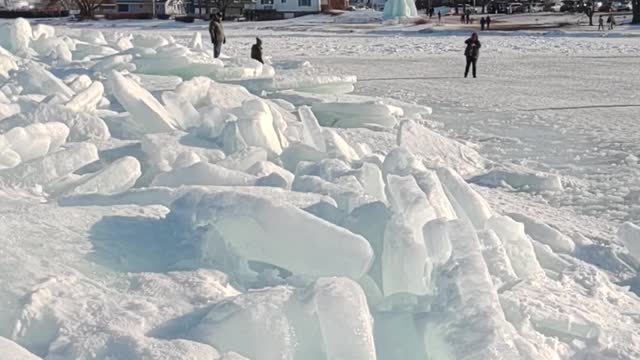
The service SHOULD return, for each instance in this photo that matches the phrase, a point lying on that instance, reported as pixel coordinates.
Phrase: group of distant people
(611, 21)
(216, 31)
(485, 22)
(466, 18)
(471, 52)
(432, 12)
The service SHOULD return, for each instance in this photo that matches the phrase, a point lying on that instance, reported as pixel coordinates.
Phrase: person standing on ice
(439, 17)
(217, 35)
(488, 22)
(256, 50)
(482, 22)
(471, 52)
(600, 23)
(611, 20)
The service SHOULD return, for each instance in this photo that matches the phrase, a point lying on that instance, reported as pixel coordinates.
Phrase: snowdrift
(197, 208)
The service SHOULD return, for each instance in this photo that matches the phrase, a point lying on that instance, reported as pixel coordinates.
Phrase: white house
(289, 8)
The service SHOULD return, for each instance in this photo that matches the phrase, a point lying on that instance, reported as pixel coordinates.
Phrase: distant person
(431, 13)
(472, 52)
(217, 35)
(600, 23)
(468, 17)
(482, 22)
(256, 50)
(488, 22)
(439, 17)
(462, 17)
(612, 21)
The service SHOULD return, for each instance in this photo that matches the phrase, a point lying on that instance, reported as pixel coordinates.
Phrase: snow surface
(156, 203)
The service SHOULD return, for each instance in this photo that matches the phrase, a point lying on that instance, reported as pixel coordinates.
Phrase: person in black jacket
(611, 21)
(471, 52)
(217, 35)
(256, 50)
(600, 23)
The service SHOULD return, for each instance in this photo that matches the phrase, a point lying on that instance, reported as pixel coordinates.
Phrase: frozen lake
(156, 203)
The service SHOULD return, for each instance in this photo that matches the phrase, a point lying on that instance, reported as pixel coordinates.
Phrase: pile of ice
(399, 9)
(323, 247)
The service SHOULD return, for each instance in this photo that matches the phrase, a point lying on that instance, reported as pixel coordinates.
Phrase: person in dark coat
(472, 52)
(256, 50)
(600, 23)
(482, 22)
(468, 17)
(217, 35)
(462, 17)
(611, 20)
(488, 22)
(439, 17)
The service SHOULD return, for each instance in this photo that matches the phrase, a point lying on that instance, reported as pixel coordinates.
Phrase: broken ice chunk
(148, 114)
(475, 208)
(35, 79)
(403, 259)
(495, 255)
(20, 36)
(87, 100)
(337, 147)
(115, 178)
(345, 320)
(256, 126)
(14, 351)
(437, 150)
(244, 159)
(202, 173)
(545, 234)
(629, 234)
(51, 167)
(370, 176)
(181, 109)
(517, 245)
(264, 168)
(275, 232)
(312, 132)
(467, 321)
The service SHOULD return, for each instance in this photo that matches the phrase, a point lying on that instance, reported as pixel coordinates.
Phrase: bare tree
(87, 7)
(589, 12)
(64, 4)
(221, 5)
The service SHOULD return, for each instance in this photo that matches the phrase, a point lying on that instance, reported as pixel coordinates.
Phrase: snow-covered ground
(356, 198)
